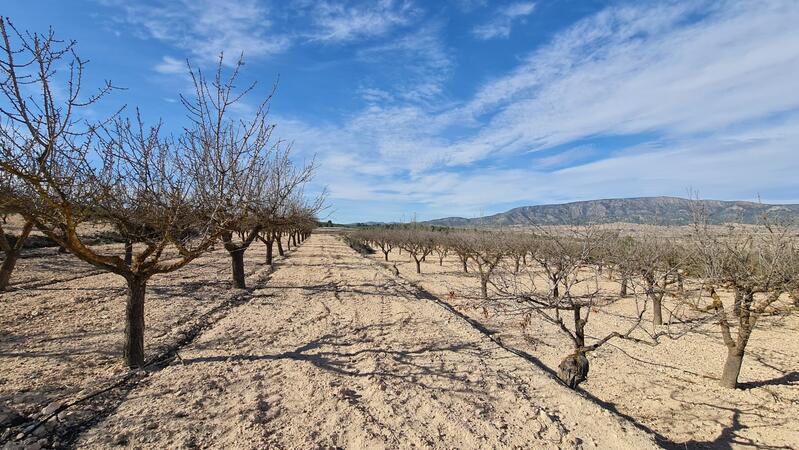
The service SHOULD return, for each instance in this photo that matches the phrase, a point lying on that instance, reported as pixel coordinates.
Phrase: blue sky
(430, 109)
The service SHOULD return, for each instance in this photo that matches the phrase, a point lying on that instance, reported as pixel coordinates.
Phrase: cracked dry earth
(335, 353)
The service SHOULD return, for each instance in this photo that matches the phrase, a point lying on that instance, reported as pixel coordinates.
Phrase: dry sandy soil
(670, 389)
(329, 351)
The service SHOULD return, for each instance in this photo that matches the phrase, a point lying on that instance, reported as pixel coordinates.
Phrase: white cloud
(204, 28)
(419, 60)
(171, 66)
(689, 75)
(341, 22)
(731, 166)
(501, 24)
(257, 28)
(629, 71)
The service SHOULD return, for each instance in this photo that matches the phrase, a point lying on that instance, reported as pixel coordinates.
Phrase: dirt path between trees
(333, 353)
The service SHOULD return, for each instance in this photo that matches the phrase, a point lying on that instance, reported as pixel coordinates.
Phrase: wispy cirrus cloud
(204, 28)
(342, 22)
(702, 91)
(258, 28)
(429, 63)
(171, 66)
(504, 18)
(676, 70)
(685, 77)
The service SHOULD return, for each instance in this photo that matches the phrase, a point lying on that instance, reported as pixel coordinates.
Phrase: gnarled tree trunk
(657, 311)
(7, 268)
(237, 264)
(134, 322)
(573, 369)
(279, 246)
(128, 252)
(736, 348)
(732, 368)
(12, 251)
(269, 244)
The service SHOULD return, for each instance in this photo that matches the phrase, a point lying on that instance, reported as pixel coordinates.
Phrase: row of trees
(169, 197)
(562, 274)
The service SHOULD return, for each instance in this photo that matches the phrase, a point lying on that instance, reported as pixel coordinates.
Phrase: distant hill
(644, 210)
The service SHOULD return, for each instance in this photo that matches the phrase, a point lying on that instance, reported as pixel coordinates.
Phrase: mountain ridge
(661, 210)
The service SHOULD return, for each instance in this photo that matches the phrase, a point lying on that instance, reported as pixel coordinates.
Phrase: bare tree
(656, 262)
(487, 250)
(117, 171)
(567, 266)
(758, 264)
(418, 243)
(235, 154)
(460, 244)
(232, 154)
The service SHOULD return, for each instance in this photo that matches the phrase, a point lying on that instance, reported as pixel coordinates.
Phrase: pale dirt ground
(332, 351)
(671, 389)
(61, 324)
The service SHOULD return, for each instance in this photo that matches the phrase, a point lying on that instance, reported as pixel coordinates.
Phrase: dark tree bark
(573, 369)
(579, 329)
(237, 264)
(269, 244)
(418, 264)
(657, 310)
(236, 252)
(128, 253)
(12, 251)
(623, 290)
(280, 250)
(134, 323)
(7, 268)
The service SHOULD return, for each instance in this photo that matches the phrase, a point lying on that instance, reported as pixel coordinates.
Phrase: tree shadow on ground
(337, 353)
(729, 436)
(789, 379)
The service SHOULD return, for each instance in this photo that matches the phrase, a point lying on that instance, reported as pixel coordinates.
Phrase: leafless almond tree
(565, 263)
(758, 264)
(119, 171)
